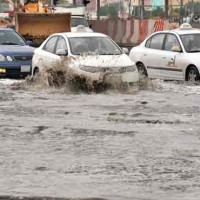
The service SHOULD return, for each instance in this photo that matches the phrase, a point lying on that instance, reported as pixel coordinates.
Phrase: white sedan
(171, 55)
(93, 55)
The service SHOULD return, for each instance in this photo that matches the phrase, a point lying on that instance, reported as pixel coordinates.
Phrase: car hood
(16, 49)
(104, 60)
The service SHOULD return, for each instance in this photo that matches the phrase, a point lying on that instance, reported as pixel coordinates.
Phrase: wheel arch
(140, 62)
(35, 68)
(187, 69)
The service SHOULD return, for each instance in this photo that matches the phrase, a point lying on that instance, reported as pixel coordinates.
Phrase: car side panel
(152, 62)
(172, 66)
(148, 57)
(43, 59)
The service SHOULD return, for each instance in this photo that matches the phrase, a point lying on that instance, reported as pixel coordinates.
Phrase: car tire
(36, 72)
(192, 74)
(142, 70)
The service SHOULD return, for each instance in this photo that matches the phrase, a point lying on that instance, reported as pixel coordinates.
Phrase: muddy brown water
(59, 144)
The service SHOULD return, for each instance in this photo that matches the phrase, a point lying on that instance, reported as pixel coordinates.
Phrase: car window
(50, 45)
(148, 43)
(10, 37)
(191, 42)
(157, 41)
(78, 21)
(171, 40)
(61, 44)
(93, 45)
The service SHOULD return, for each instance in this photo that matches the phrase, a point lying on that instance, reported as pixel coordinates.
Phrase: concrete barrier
(129, 32)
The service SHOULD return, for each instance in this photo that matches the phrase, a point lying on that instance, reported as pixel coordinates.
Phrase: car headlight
(89, 69)
(131, 68)
(5, 58)
(9, 58)
(2, 57)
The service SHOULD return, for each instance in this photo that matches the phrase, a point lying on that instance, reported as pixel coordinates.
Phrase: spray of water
(60, 76)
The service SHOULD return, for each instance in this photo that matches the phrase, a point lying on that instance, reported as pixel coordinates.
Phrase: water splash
(59, 75)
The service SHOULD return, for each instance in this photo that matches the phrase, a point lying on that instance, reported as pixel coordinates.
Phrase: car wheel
(142, 70)
(192, 74)
(36, 72)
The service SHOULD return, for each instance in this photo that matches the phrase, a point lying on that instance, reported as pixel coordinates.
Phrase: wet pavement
(143, 145)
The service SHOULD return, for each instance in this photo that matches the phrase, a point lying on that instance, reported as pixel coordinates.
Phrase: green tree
(110, 10)
(193, 7)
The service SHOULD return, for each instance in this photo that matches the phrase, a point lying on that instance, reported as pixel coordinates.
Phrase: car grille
(13, 71)
(23, 58)
(113, 70)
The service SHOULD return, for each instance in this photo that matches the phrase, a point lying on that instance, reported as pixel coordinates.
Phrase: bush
(110, 10)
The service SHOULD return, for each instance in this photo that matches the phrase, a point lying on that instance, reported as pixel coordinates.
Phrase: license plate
(2, 70)
(130, 77)
(25, 68)
(113, 78)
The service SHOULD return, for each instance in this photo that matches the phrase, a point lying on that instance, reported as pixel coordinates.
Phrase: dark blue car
(15, 54)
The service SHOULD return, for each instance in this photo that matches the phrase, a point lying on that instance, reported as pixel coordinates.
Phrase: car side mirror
(29, 42)
(125, 50)
(62, 52)
(176, 48)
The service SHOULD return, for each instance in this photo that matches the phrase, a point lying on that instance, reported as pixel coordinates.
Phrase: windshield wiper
(9, 43)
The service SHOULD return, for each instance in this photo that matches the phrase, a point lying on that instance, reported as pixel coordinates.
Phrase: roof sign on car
(185, 26)
(80, 28)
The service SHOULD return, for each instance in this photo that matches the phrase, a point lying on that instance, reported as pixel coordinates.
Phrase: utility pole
(98, 9)
(74, 2)
(181, 12)
(129, 8)
(141, 9)
(166, 8)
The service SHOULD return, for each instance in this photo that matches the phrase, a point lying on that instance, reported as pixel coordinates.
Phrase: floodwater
(112, 145)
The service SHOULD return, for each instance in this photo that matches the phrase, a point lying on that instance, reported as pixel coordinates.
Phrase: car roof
(83, 34)
(6, 29)
(186, 31)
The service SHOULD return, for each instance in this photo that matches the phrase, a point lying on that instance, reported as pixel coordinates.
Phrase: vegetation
(158, 12)
(193, 7)
(110, 10)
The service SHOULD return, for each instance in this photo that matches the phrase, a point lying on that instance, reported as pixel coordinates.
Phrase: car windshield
(93, 45)
(78, 21)
(191, 42)
(10, 37)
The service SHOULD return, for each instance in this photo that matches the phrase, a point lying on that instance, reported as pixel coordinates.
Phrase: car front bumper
(126, 77)
(15, 69)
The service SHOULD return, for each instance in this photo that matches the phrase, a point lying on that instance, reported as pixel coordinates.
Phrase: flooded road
(112, 145)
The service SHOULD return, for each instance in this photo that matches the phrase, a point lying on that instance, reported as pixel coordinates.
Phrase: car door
(152, 55)
(61, 44)
(48, 56)
(171, 61)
